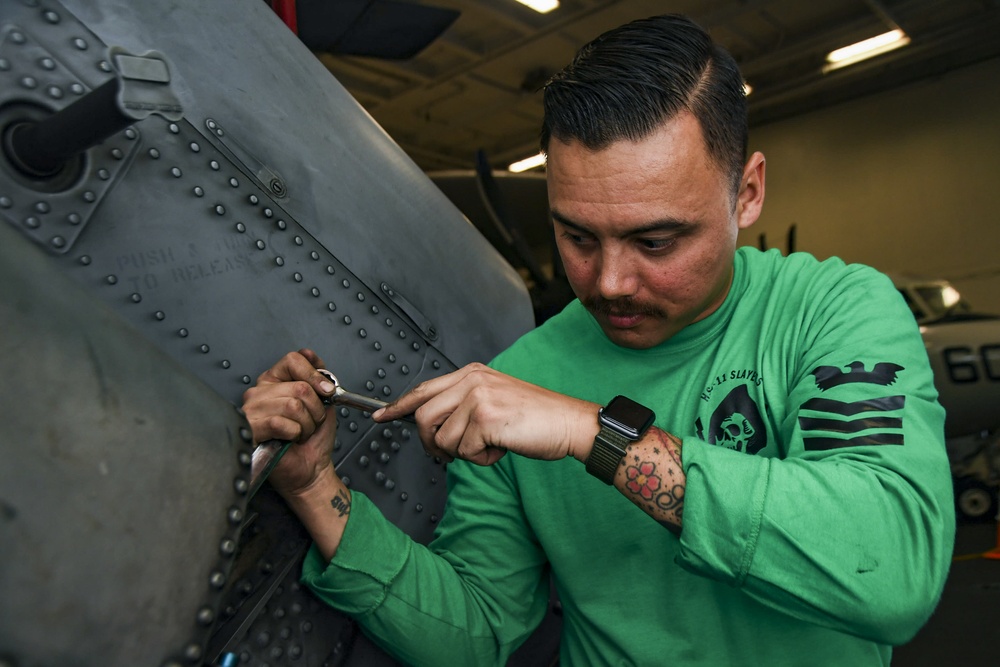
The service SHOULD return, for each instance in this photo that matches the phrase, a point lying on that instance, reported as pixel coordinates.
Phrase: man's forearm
(651, 476)
(324, 510)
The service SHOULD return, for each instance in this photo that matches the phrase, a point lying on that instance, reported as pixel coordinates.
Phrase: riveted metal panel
(123, 484)
(273, 215)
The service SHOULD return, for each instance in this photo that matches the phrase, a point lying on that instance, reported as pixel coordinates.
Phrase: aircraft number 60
(965, 366)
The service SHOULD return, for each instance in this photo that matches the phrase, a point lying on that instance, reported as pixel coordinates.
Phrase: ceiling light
(527, 163)
(747, 89)
(541, 6)
(865, 49)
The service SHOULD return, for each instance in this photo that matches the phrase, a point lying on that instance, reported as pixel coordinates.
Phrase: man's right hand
(286, 404)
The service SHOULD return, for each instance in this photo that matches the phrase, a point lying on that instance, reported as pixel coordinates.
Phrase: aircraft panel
(229, 202)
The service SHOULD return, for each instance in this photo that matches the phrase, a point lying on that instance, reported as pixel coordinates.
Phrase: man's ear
(750, 199)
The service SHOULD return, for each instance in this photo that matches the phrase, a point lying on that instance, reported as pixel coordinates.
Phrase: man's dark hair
(629, 81)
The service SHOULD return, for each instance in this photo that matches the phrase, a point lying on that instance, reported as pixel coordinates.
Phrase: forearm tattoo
(341, 503)
(654, 479)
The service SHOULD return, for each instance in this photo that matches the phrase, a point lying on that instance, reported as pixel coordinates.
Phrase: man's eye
(575, 238)
(656, 244)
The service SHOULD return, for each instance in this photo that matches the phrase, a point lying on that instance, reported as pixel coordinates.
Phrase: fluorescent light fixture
(865, 49)
(527, 163)
(541, 6)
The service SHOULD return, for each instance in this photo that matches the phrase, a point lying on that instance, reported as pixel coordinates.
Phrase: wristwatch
(622, 421)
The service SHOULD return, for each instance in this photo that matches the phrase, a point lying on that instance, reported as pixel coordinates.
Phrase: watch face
(627, 417)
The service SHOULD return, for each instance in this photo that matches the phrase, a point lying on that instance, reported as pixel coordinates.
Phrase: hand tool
(267, 454)
(358, 401)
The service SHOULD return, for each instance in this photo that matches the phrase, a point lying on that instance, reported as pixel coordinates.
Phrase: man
(791, 502)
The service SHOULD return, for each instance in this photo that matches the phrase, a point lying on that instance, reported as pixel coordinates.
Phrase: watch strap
(607, 454)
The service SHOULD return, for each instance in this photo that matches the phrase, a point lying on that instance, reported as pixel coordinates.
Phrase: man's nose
(618, 276)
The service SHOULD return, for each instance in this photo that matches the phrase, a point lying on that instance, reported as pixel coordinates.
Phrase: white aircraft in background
(964, 351)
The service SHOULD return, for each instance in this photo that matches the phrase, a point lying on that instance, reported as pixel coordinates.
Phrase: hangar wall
(905, 181)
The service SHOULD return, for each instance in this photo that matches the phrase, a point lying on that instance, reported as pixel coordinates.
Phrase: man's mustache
(625, 307)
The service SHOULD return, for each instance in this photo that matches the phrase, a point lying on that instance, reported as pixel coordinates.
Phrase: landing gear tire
(974, 500)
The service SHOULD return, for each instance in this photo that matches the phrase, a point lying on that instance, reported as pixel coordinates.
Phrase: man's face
(647, 230)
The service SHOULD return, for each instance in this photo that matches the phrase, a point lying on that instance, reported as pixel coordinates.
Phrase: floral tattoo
(641, 479)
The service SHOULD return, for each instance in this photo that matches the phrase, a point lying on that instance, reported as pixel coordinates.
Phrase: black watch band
(607, 454)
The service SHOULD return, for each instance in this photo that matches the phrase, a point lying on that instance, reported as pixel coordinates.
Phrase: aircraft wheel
(974, 499)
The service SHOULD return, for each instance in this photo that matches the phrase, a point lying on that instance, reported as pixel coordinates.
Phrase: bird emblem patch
(883, 373)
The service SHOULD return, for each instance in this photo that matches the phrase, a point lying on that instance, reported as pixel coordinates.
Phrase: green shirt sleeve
(852, 528)
(470, 597)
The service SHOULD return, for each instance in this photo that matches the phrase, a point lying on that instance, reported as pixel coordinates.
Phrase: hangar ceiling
(476, 85)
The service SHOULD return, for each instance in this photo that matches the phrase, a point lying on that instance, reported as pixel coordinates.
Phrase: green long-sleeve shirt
(818, 518)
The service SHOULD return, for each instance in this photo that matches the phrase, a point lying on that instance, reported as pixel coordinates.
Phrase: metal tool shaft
(359, 401)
